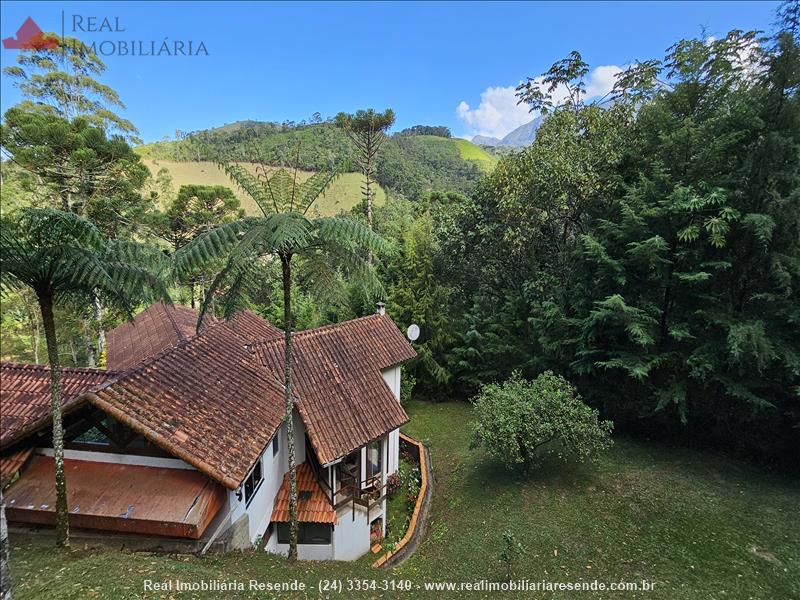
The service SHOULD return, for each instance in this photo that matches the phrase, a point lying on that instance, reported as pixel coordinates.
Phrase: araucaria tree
(59, 255)
(61, 80)
(80, 169)
(367, 129)
(327, 248)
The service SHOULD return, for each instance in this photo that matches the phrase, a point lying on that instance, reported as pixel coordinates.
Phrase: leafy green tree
(648, 249)
(59, 255)
(325, 247)
(62, 80)
(437, 130)
(521, 422)
(81, 170)
(367, 130)
(695, 269)
(566, 75)
(415, 292)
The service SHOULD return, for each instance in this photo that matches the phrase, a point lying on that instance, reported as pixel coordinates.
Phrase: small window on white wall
(276, 445)
(252, 483)
(374, 459)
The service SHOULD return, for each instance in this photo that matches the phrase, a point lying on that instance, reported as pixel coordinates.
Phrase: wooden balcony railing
(367, 493)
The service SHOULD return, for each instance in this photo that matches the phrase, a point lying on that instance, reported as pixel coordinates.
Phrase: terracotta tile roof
(316, 509)
(153, 330)
(25, 395)
(253, 328)
(208, 401)
(343, 399)
(12, 463)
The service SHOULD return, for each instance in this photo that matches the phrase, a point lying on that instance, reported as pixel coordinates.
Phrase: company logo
(30, 37)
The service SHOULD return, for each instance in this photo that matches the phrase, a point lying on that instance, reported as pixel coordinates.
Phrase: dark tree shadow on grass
(485, 472)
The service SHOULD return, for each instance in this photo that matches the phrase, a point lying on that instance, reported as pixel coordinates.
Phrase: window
(307, 533)
(252, 483)
(374, 459)
(92, 436)
(276, 444)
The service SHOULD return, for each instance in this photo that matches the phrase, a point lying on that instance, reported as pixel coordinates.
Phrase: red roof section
(250, 327)
(317, 509)
(10, 464)
(153, 330)
(343, 399)
(25, 395)
(207, 401)
(114, 497)
(212, 402)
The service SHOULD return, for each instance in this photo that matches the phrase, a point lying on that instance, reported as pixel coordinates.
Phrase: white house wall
(392, 378)
(351, 536)
(273, 468)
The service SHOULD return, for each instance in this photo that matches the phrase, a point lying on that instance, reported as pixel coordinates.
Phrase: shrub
(520, 422)
(510, 551)
(392, 483)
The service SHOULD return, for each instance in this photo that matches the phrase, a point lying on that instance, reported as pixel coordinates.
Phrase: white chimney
(380, 308)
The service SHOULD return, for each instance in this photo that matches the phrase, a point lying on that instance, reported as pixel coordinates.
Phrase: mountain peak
(523, 135)
(485, 140)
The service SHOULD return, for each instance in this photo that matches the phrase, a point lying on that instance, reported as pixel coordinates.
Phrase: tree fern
(58, 255)
(328, 249)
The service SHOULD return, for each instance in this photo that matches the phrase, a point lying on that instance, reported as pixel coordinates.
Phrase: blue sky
(433, 63)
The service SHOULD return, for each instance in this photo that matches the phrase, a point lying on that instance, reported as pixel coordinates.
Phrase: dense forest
(646, 248)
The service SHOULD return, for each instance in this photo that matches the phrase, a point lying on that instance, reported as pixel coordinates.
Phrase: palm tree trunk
(97, 315)
(5, 572)
(62, 516)
(289, 404)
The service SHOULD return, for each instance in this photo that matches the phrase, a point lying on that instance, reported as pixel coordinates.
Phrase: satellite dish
(413, 332)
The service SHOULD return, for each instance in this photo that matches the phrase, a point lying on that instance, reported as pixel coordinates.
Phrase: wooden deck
(120, 498)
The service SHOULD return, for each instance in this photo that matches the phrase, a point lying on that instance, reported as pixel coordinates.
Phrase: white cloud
(601, 81)
(498, 113)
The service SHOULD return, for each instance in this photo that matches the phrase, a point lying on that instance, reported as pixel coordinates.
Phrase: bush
(521, 422)
(392, 483)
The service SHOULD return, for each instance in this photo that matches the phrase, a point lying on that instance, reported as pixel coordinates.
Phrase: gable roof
(343, 399)
(153, 330)
(206, 400)
(26, 395)
(216, 399)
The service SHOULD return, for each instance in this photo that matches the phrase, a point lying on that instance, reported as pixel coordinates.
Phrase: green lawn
(696, 525)
(343, 194)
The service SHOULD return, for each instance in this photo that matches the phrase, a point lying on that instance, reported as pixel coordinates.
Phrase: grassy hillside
(344, 193)
(476, 154)
(693, 524)
(409, 164)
